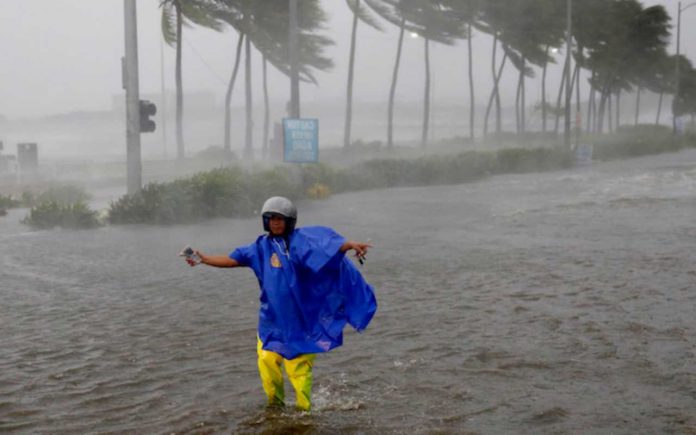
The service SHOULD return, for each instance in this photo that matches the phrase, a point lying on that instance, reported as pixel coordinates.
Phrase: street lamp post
(293, 46)
(677, 77)
(569, 86)
(132, 87)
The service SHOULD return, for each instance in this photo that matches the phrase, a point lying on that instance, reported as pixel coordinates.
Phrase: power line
(212, 71)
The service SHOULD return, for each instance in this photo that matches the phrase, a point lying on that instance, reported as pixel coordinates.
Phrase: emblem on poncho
(275, 261)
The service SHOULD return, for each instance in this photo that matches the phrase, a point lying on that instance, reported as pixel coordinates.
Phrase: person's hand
(195, 259)
(360, 249)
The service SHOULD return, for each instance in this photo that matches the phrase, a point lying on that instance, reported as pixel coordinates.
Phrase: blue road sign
(301, 140)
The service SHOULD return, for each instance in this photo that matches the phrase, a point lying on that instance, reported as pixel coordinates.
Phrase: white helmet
(279, 206)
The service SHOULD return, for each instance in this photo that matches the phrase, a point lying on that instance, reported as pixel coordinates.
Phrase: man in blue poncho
(309, 291)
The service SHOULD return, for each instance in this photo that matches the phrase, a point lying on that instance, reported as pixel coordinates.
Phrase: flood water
(561, 302)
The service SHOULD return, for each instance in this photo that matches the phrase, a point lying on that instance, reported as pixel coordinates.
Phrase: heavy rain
(524, 173)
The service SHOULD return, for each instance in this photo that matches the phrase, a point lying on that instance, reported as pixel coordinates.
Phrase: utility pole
(293, 46)
(164, 99)
(130, 84)
(676, 71)
(569, 85)
(677, 68)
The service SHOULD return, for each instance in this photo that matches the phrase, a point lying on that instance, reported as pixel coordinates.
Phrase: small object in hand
(361, 259)
(190, 255)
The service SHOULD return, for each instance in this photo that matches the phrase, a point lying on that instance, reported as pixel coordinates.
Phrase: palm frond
(202, 13)
(168, 23)
(364, 14)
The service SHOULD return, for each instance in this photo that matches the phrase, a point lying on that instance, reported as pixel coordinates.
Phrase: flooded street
(560, 302)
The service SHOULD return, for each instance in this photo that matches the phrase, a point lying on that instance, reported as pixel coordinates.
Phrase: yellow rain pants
(299, 372)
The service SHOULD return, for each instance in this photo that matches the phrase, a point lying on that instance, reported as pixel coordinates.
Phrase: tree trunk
(578, 108)
(179, 86)
(498, 109)
(573, 79)
(426, 98)
(472, 99)
(248, 138)
(523, 118)
(637, 105)
(518, 96)
(592, 106)
(349, 88)
(494, 74)
(392, 90)
(266, 109)
(496, 80)
(228, 94)
(610, 113)
(578, 105)
(543, 90)
(601, 113)
(659, 109)
(618, 110)
(591, 109)
(561, 92)
(493, 93)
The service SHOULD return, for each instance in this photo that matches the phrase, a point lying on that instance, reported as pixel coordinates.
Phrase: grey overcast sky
(64, 55)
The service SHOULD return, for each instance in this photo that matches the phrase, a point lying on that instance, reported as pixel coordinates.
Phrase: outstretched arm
(215, 260)
(360, 248)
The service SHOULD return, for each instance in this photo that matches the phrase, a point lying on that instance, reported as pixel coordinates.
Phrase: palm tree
(526, 29)
(388, 10)
(468, 11)
(493, 21)
(175, 15)
(434, 22)
(249, 125)
(685, 101)
(528, 37)
(415, 16)
(622, 36)
(649, 40)
(359, 13)
(264, 24)
(661, 80)
(550, 17)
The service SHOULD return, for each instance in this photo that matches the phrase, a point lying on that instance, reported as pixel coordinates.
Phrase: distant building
(9, 169)
(28, 157)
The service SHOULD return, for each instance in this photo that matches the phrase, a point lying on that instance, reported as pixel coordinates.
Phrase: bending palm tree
(175, 15)
(359, 12)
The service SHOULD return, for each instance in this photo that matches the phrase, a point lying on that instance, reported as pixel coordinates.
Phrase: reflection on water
(559, 302)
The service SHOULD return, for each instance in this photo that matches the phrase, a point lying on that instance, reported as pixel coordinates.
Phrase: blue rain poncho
(309, 291)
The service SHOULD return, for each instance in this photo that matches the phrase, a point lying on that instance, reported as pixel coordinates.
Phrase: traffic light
(147, 109)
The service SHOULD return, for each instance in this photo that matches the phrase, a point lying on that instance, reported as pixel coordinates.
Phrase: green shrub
(159, 203)
(317, 173)
(639, 140)
(65, 194)
(49, 214)
(233, 192)
(62, 194)
(258, 186)
(224, 192)
(7, 201)
(516, 160)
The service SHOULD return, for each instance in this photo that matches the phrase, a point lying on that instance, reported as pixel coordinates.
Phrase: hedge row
(233, 192)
